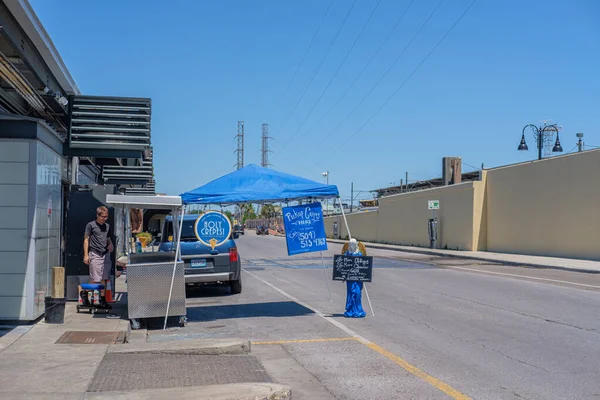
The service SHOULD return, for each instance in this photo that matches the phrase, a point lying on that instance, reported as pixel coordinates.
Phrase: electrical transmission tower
(265, 146)
(240, 145)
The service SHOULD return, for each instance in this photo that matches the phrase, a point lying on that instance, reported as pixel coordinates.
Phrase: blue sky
(208, 64)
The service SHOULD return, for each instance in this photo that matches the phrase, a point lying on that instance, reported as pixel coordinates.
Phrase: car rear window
(187, 233)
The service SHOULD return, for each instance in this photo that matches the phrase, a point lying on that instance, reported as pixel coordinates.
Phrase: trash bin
(54, 310)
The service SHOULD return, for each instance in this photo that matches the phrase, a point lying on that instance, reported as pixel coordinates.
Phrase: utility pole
(326, 175)
(265, 146)
(240, 145)
(406, 182)
(580, 143)
(351, 196)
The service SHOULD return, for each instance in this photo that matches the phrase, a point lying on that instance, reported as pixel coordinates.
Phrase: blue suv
(202, 264)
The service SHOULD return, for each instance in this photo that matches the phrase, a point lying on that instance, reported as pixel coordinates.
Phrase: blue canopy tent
(254, 184)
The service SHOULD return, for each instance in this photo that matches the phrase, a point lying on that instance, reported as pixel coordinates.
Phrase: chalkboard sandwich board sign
(352, 268)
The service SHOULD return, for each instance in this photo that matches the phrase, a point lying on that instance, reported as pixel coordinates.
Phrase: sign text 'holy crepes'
(212, 228)
(304, 228)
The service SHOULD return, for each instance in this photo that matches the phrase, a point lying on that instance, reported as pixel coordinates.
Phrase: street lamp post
(326, 175)
(540, 133)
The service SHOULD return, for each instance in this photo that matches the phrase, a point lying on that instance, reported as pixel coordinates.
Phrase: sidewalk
(38, 362)
(568, 264)
(34, 367)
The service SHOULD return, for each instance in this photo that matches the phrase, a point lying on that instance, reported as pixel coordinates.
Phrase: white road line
(319, 313)
(520, 276)
(445, 388)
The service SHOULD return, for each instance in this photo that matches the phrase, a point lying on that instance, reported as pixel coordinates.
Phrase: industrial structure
(264, 150)
(240, 145)
(451, 174)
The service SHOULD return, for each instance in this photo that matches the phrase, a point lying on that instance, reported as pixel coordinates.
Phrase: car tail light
(233, 254)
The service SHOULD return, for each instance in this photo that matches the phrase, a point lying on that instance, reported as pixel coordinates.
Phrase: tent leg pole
(177, 244)
(369, 299)
(345, 220)
(325, 273)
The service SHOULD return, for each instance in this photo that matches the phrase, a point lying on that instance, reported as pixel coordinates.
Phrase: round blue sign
(212, 228)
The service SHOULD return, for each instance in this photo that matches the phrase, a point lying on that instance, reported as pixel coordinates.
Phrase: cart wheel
(77, 309)
(93, 311)
(182, 321)
(135, 324)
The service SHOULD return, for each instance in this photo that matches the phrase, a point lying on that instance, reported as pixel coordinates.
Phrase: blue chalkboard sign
(304, 229)
(212, 228)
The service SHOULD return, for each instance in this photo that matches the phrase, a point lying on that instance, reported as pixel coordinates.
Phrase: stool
(91, 305)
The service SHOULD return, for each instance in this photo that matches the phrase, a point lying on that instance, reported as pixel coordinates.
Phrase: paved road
(442, 328)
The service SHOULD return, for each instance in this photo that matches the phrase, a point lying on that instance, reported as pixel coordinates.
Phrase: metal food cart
(155, 281)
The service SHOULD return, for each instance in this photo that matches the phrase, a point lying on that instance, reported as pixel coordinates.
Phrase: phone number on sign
(312, 242)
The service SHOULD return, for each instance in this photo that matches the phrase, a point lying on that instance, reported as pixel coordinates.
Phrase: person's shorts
(99, 267)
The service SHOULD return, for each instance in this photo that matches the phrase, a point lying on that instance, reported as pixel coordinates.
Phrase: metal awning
(125, 174)
(109, 123)
(153, 202)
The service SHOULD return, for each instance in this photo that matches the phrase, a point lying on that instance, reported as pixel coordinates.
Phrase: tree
(247, 212)
(229, 215)
(268, 211)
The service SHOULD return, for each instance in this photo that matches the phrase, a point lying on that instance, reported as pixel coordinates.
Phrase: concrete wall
(14, 195)
(549, 207)
(363, 225)
(402, 219)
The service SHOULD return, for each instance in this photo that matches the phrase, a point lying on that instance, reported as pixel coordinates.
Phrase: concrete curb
(14, 333)
(424, 251)
(203, 347)
(236, 391)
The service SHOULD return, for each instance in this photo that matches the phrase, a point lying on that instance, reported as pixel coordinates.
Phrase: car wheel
(236, 286)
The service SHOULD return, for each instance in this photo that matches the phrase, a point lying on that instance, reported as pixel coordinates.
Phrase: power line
(312, 41)
(471, 166)
(333, 77)
(403, 83)
(574, 147)
(384, 74)
(318, 68)
(360, 74)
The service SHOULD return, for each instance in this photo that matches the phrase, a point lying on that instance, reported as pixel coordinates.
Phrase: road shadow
(276, 309)
(199, 292)
(398, 263)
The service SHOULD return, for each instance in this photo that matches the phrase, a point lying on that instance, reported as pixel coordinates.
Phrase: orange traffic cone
(108, 292)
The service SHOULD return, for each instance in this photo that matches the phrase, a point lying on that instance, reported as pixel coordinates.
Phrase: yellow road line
(443, 387)
(449, 390)
(304, 341)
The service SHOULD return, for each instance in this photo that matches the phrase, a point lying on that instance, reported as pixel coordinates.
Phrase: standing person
(97, 247)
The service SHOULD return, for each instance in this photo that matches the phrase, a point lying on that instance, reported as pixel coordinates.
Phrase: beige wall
(549, 207)
(363, 225)
(480, 214)
(402, 219)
